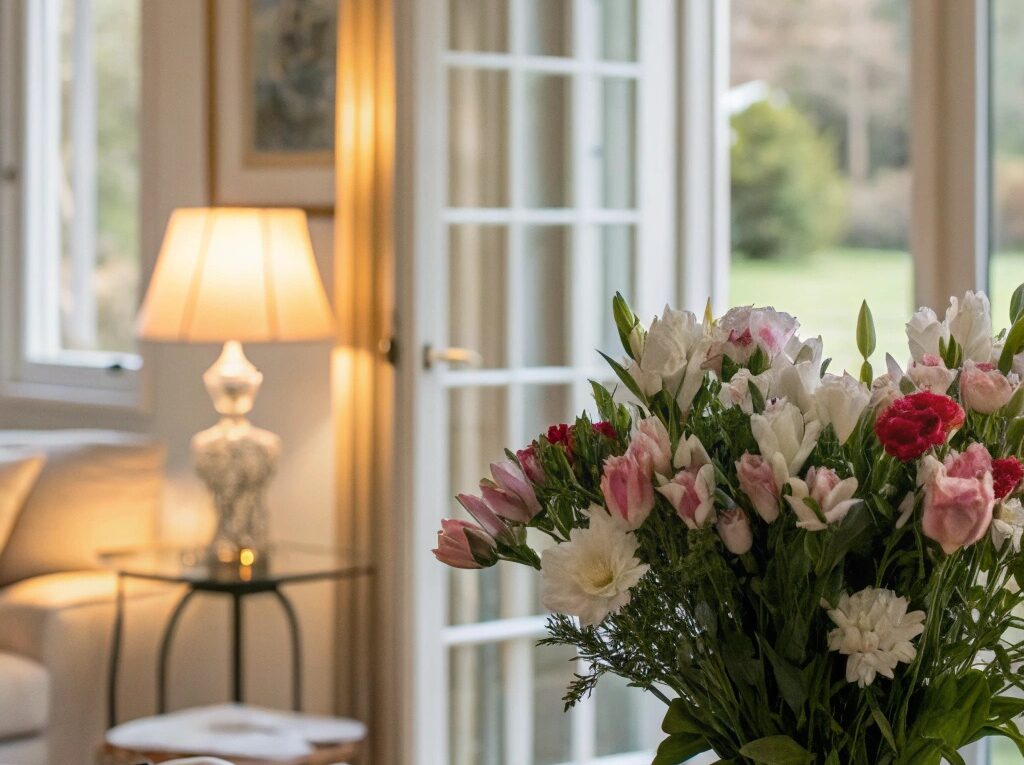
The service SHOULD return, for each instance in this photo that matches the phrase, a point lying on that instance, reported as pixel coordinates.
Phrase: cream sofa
(97, 490)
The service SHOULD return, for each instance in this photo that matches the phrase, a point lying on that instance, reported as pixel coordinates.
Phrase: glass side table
(281, 564)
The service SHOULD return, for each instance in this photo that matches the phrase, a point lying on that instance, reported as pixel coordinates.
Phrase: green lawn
(825, 290)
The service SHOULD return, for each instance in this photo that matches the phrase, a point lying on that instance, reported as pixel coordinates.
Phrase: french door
(543, 181)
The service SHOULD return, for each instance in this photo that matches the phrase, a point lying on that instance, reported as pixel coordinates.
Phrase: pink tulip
(957, 511)
(511, 495)
(983, 388)
(692, 494)
(973, 463)
(627, 489)
(734, 529)
(651, 447)
(757, 481)
(484, 515)
(456, 541)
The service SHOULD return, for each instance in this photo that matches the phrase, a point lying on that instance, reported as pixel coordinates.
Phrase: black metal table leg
(293, 626)
(237, 663)
(165, 650)
(115, 653)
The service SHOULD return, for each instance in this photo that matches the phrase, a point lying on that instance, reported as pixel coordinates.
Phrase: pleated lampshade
(233, 273)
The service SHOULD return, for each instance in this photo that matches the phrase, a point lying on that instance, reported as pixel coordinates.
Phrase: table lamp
(234, 275)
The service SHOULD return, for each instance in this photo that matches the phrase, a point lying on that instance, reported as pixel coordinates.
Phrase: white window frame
(29, 240)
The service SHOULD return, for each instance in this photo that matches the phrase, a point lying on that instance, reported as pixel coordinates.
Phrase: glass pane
(617, 29)
(547, 282)
(1006, 268)
(477, 120)
(544, 406)
(552, 671)
(820, 169)
(478, 434)
(99, 178)
(477, 273)
(478, 25)
(616, 271)
(615, 156)
(476, 695)
(626, 718)
(547, 174)
(547, 27)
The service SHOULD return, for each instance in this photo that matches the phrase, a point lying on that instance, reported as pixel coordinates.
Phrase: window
(75, 146)
(819, 109)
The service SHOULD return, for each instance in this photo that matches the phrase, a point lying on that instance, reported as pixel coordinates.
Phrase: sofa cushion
(97, 490)
(24, 697)
(18, 474)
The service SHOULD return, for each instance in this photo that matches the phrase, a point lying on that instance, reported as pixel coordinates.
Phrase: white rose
(923, 332)
(970, 323)
(840, 401)
(783, 438)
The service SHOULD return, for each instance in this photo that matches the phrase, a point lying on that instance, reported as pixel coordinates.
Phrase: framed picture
(271, 110)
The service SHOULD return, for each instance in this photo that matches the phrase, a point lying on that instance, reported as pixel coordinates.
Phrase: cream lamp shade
(232, 273)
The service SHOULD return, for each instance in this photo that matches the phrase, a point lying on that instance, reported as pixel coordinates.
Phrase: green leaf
(1014, 344)
(624, 376)
(678, 720)
(867, 374)
(677, 749)
(881, 722)
(1016, 304)
(865, 331)
(757, 398)
(777, 750)
(625, 322)
(788, 678)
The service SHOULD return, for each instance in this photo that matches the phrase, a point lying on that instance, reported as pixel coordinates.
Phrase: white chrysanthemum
(874, 630)
(590, 575)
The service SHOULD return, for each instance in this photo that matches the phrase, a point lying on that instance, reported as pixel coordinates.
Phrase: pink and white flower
(670, 357)
(958, 502)
(931, 374)
(627, 489)
(757, 481)
(832, 496)
(651, 446)
(734, 529)
(511, 495)
(983, 388)
(691, 493)
(747, 328)
(456, 542)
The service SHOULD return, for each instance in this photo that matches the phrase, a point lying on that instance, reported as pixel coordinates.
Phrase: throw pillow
(18, 474)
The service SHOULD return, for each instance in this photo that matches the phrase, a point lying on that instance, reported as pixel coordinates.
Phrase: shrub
(787, 192)
(880, 211)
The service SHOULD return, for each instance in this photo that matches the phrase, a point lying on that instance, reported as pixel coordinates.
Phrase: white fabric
(198, 761)
(98, 489)
(236, 730)
(24, 697)
(18, 474)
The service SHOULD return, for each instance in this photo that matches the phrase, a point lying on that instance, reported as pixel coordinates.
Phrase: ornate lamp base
(236, 460)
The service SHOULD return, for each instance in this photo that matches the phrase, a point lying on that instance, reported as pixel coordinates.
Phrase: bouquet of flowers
(806, 567)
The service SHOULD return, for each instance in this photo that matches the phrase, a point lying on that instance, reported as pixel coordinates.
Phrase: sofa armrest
(65, 622)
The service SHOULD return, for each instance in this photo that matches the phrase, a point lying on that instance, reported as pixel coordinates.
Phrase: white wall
(295, 401)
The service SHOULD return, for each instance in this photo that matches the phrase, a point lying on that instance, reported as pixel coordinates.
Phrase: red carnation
(911, 425)
(606, 429)
(560, 434)
(1006, 475)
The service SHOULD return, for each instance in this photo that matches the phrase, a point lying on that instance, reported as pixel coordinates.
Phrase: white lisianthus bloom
(839, 402)
(834, 498)
(736, 392)
(671, 356)
(797, 383)
(923, 332)
(783, 438)
(970, 323)
(590, 576)
(1008, 523)
(875, 631)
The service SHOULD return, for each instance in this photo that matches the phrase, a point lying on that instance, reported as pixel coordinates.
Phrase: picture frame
(271, 91)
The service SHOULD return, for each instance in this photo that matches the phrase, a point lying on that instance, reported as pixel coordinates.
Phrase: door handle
(466, 357)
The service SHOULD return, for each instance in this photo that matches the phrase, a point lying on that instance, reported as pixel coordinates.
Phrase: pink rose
(931, 374)
(692, 495)
(757, 481)
(983, 388)
(457, 541)
(511, 495)
(734, 529)
(957, 510)
(651, 447)
(973, 463)
(627, 489)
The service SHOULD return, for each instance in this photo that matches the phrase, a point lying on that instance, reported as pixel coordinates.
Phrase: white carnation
(875, 631)
(590, 576)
